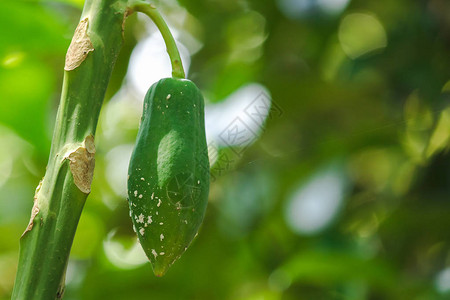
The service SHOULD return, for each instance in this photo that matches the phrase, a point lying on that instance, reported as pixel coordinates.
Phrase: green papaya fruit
(168, 175)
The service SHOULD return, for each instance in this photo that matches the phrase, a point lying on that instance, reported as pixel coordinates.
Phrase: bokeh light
(315, 204)
(361, 33)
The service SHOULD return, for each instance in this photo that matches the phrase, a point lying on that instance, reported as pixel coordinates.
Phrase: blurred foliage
(359, 144)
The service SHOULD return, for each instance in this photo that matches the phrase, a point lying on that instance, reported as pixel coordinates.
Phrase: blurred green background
(340, 191)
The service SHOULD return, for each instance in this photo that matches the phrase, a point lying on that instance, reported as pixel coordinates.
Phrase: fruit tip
(160, 269)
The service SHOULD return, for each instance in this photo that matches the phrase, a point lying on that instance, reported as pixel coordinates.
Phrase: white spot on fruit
(140, 219)
(168, 97)
(154, 253)
(161, 237)
(142, 231)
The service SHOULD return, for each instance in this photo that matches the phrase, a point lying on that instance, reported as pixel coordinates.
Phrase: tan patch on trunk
(82, 163)
(80, 46)
(34, 210)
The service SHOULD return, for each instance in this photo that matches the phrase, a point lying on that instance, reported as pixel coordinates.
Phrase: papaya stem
(172, 49)
(60, 198)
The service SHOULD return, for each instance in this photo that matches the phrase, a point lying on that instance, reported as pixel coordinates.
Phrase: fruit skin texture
(168, 181)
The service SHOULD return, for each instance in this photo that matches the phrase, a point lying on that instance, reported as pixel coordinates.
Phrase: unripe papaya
(168, 175)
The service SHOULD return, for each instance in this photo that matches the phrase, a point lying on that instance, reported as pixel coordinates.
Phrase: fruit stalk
(172, 49)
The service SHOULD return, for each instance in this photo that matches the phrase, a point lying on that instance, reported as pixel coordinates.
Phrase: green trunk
(45, 245)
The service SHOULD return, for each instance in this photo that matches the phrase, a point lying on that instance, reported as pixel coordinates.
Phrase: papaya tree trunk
(60, 197)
